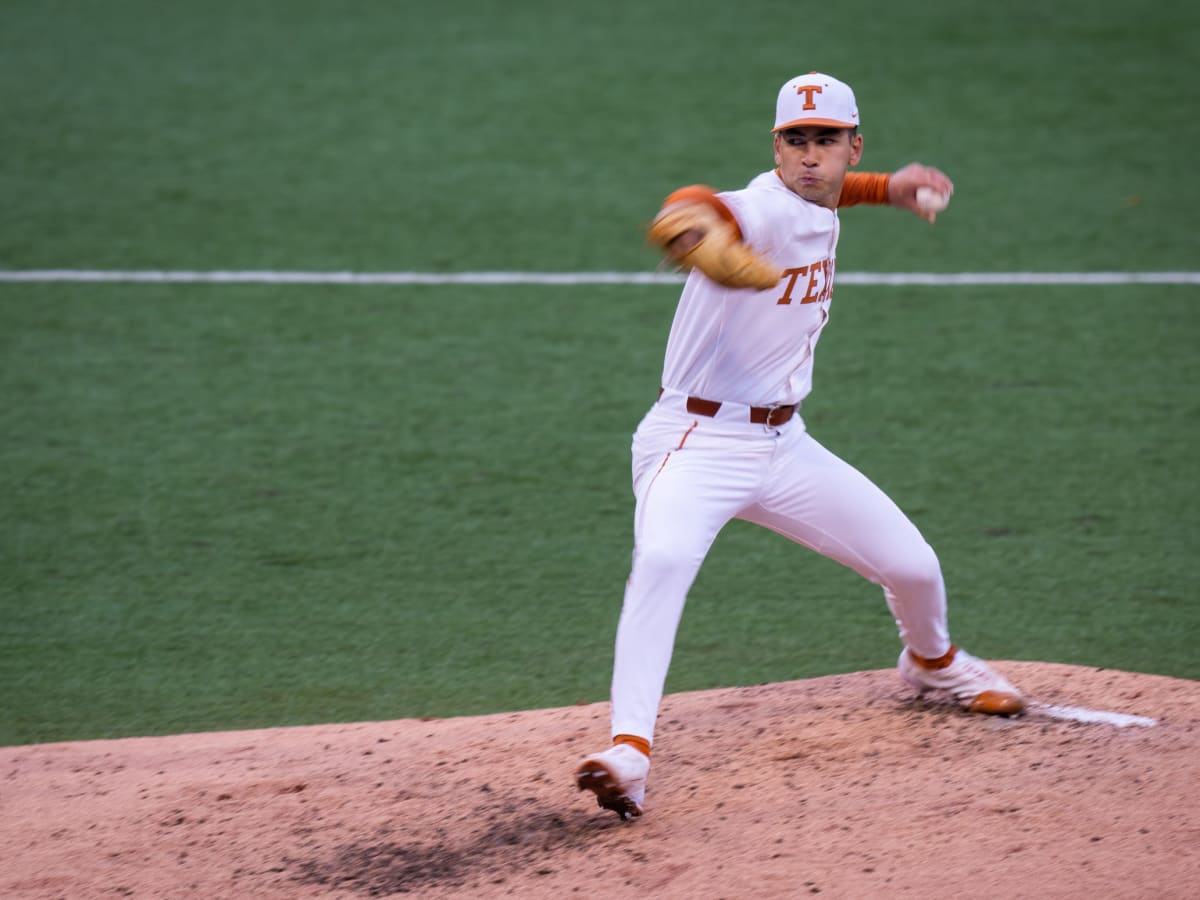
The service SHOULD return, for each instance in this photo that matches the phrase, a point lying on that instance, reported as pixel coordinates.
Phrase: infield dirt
(843, 786)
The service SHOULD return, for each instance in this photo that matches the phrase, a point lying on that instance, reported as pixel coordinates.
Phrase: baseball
(931, 201)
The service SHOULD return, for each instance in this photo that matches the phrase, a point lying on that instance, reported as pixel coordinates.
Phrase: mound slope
(843, 786)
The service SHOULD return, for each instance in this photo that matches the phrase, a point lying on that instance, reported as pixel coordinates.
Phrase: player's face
(813, 161)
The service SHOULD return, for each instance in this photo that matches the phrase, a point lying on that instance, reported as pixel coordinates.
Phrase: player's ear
(856, 145)
(775, 144)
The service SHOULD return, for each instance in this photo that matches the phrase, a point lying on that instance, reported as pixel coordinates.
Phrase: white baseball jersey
(756, 347)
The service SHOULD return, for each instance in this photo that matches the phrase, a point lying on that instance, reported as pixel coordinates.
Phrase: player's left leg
(819, 500)
(822, 502)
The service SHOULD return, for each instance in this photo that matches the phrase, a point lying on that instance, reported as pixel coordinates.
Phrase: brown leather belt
(759, 415)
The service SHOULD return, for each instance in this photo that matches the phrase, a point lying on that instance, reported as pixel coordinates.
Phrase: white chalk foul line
(1079, 714)
(569, 278)
(255, 277)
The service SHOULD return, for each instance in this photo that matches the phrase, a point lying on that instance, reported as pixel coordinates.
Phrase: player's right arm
(696, 229)
(684, 242)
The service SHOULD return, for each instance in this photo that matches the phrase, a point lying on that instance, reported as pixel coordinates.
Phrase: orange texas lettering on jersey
(818, 286)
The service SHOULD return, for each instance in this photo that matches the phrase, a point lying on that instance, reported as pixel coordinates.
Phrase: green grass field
(254, 505)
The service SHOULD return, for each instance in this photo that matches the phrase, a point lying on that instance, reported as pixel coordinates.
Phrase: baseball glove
(719, 251)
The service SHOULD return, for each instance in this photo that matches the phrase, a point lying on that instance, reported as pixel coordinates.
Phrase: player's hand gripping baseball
(924, 190)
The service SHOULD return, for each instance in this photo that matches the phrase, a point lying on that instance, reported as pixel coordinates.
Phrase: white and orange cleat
(972, 682)
(617, 777)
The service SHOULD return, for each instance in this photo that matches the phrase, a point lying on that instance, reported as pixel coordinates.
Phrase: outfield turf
(235, 506)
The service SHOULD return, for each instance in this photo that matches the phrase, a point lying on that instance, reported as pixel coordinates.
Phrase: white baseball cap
(815, 99)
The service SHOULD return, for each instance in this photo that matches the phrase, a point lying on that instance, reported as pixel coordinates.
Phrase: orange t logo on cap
(808, 90)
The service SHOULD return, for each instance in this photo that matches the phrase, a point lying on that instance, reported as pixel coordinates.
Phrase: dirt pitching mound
(845, 786)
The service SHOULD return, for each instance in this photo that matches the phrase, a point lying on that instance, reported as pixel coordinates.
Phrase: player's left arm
(897, 189)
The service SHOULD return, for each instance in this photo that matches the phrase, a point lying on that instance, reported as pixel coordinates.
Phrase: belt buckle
(771, 410)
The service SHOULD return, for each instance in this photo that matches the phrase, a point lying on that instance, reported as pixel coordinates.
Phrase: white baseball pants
(692, 474)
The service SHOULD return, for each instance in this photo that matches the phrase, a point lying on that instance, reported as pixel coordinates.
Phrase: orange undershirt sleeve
(864, 187)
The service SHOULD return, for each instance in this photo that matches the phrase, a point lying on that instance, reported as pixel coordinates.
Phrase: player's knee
(917, 570)
(659, 560)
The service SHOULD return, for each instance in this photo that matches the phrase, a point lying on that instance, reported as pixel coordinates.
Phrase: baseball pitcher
(725, 438)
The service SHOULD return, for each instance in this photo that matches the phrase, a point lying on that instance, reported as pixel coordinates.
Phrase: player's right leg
(690, 477)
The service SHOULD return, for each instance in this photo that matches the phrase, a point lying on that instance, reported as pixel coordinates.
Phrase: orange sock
(640, 744)
(940, 663)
